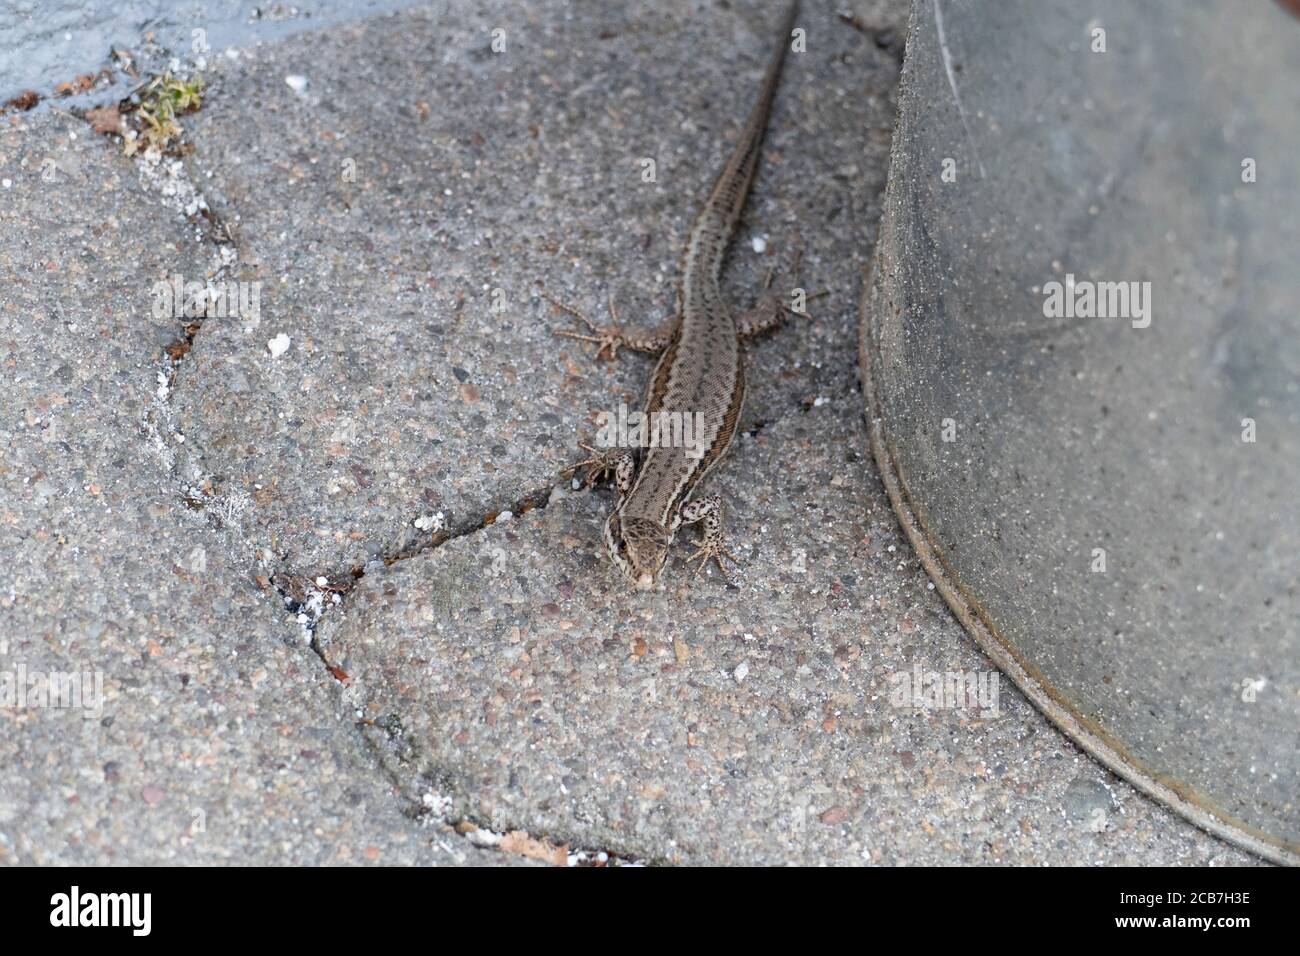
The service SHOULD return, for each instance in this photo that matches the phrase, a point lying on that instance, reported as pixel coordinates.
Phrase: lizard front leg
(620, 462)
(610, 338)
(767, 314)
(709, 510)
(770, 312)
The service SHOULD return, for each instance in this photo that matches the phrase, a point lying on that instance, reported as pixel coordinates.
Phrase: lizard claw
(599, 466)
(608, 338)
(715, 550)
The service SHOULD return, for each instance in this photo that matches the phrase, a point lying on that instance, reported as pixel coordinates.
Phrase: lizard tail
(718, 217)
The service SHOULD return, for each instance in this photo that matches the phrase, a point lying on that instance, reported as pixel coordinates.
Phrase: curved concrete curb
(1177, 796)
(1015, 166)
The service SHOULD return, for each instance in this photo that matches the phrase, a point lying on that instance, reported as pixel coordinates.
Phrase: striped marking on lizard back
(702, 371)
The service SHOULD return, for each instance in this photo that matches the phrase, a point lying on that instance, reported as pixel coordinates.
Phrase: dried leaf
(82, 84)
(25, 100)
(105, 120)
(517, 841)
(339, 673)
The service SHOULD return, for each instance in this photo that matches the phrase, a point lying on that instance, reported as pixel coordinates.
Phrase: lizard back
(701, 371)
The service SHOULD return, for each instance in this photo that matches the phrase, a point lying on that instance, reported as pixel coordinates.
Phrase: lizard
(700, 370)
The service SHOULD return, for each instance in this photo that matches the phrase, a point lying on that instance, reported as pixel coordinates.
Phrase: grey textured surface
(501, 677)
(756, 723)
(1075, 434)
(214, 740)
(404, 392)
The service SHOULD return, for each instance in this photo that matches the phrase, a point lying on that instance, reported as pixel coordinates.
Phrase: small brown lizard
(700, 372)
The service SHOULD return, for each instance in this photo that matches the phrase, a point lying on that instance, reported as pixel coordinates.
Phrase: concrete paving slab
(792, 717)
(184, 729)
(502, 678)
(402, 204)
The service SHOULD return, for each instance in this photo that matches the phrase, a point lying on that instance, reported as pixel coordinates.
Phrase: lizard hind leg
(709, 510)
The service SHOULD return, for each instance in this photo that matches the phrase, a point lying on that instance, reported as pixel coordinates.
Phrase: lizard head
(639, 548)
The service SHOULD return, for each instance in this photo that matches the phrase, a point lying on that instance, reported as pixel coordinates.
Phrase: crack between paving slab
(166, 180)
(521, 505)
(169, 180)
(429, 804)
(309, 598)
(164, 176)
(534, 500)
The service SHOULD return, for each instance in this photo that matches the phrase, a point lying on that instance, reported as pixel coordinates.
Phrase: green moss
(162, 100)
